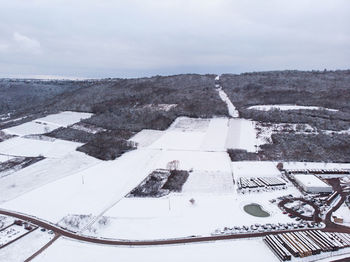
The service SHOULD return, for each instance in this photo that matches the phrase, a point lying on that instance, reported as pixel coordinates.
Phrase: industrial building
(312, 184)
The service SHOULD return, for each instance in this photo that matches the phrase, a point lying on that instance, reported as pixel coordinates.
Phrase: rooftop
(311, 180)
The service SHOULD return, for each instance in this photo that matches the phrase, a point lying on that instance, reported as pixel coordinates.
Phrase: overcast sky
(132, 38)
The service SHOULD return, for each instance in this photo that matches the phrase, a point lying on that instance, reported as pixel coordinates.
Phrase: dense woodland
(123, 107)
(328, 89)
(126, 106)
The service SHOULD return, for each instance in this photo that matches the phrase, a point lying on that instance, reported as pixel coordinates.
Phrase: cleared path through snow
(231, 108)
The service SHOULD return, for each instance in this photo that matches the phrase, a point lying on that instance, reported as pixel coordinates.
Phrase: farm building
(312, 184)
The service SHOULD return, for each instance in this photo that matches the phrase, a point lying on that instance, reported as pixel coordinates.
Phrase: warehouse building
(312, 184)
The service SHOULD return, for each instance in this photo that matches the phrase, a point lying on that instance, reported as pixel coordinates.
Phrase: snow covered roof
(311, 181)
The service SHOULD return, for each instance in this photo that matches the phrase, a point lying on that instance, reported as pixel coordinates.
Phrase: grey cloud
(144, 37)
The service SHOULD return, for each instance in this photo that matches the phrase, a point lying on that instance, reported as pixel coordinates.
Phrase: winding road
(330, 227)
(58, 231)
(119, 242)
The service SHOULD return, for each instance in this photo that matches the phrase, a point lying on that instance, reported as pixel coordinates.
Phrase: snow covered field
(215, 134)
(23, 248)
(4, 158)
(146, 137)
(99, 189)
(92, 190)
(190, 124)
(61, 158)
(175, 216)
(69, 184)
(214, 182)
(289, 107)
(193, 134)
(189, 134)
(254, 169)
(65, 118)
(215, 137)
(217, 205)
(101, 184)
(48, 123)
(20, 146)
(30, 128)
(196, 160)
(242, 135)
(5, 221)
(11, 233)
(233, 250)
(178, 140)
(198, 145)
(43, 172)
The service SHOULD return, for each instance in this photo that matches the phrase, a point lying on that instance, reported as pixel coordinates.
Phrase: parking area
(269, 228)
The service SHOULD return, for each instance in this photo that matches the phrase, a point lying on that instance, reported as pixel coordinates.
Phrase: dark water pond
(255, 210)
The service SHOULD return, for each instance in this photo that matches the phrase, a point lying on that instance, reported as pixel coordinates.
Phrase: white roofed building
(312, 184)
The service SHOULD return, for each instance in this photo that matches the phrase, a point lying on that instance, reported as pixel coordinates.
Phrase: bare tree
(173, 165)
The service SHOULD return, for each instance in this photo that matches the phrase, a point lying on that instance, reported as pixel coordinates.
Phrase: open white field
(95, 189)
(11, 233)
(146, 137)
(48, 123)
(214, 182)
(30, 128)
(242, 135)
(187, 124)
(289, 107)
(189, 134)
(140, 208)
(254, 169)
(43, 172)
(65, 118)
(179, 140)
(215, 137)
(196, 160)
(20, 146)
(343, 212)
(92, 190)
(5, 221)
(4, 158)
(223, 251)
(175, 216)
(23, 248)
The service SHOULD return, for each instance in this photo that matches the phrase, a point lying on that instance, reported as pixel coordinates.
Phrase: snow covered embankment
(231, 108)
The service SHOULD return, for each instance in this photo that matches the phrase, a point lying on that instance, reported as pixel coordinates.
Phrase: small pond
(255, 210)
